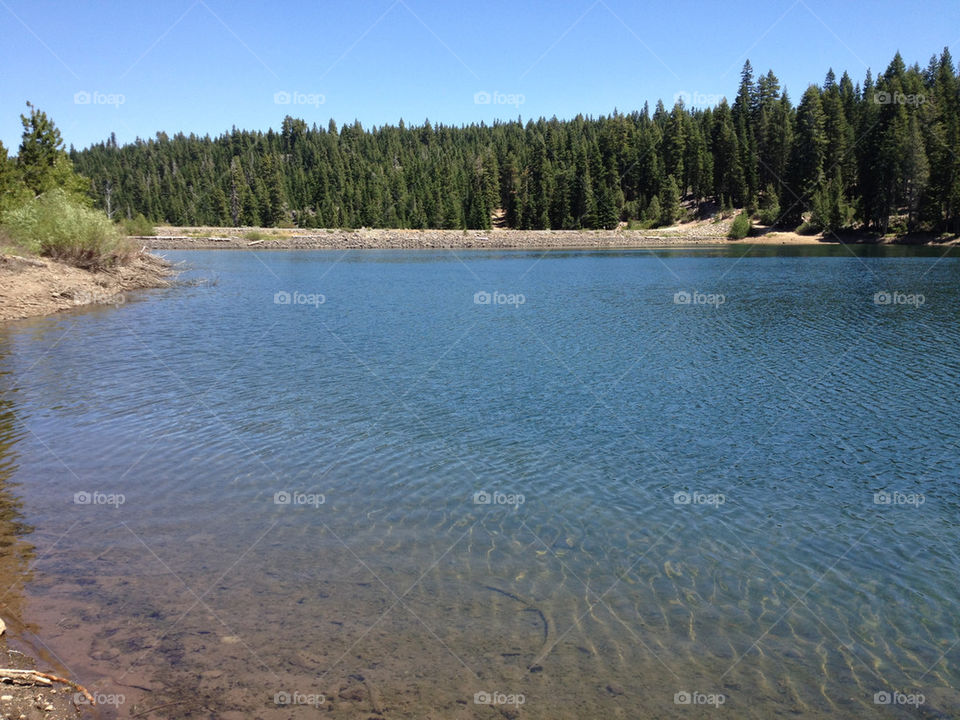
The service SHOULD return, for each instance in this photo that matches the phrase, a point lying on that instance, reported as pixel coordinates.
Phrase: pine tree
(807, 158)
(669, 201)
(42, 161)
(236, 182)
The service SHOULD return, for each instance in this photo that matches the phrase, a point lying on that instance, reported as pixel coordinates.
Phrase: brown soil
(37, 286)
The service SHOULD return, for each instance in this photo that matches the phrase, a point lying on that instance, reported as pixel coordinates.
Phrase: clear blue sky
(205, 65)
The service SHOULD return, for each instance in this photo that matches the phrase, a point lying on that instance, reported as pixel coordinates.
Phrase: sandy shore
(39, 286)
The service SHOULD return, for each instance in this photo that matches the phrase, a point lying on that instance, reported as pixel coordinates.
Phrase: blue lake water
(631, 484)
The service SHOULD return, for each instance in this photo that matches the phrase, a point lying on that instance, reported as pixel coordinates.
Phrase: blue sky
(202, 66)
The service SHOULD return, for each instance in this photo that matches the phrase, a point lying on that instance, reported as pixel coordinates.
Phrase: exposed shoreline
(690, 235)
(32, 286)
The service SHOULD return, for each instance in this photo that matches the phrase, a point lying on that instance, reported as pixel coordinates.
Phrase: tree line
(880, 156)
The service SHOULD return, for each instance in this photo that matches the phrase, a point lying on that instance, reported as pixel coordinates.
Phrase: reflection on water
(16, 552)
(246, 504)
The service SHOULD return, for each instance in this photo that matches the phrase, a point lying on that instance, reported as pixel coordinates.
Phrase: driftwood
(34, 677)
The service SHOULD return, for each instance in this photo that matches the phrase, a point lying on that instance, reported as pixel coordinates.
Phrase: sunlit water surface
(703, 515)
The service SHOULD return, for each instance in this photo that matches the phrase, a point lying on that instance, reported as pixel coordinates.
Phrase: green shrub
(54, 226)
(808, 228)
(138, 226)
(641, 224)
(740, 227)
(769, 207)
(254, 235)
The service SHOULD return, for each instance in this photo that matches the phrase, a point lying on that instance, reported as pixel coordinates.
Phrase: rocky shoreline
(169, 238)
(684, 235)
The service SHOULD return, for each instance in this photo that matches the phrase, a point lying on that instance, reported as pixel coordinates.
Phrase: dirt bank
(39, 286)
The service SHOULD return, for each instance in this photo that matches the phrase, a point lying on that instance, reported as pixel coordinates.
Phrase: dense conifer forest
(882, 155)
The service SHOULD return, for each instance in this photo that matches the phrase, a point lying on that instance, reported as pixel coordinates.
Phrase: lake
(416, 484)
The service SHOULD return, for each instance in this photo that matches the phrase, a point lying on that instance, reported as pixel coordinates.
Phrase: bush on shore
(53, 226)
(740, 227)
(138, 225)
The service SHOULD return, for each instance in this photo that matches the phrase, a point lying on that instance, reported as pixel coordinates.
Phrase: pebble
(6, 697)
(614, 689)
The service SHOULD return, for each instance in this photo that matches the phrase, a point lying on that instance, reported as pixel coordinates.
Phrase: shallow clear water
(782, 588)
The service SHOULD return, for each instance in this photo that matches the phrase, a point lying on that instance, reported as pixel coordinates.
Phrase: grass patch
(53, 226)
(254, 235)
(138, 226)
